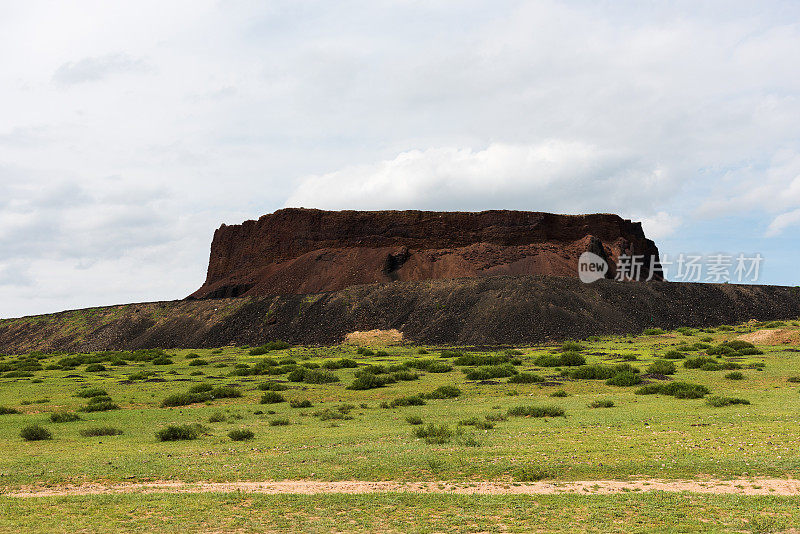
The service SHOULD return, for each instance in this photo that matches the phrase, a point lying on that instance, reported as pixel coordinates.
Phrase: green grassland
(497, 427)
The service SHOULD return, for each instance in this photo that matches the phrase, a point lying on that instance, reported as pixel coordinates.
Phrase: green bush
(482, 424)
(443, 392)
(679, 390)
(536, 411)
(414, 420)
(241, 434)
(5, 410)
(662, 367)
(451, 354)
(486, 372)
(100, 431)
(482, 359)
(269, 385)
(793, 379)
(272, 397)
(439, 367)
(95, 368)
(198, 362)
(699, 362)
(718, 401)
(571, 346)
(413, 400)
(530, 473)
(367, 381)
(279, 422)
(365, 351)
(162, 360)
(217, 417)
(179, 432)
(674, 355)
(653, 332)
(35, 433)
(602, 404)
(100, 406)
(566, 359)
(64, 417)
(434, 434)
(736, 375)
(300, 403)
(525, 378)
(559, 393)
(626, 378)
(329, 414)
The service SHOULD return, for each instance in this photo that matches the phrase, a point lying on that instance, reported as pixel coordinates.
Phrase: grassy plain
(351, 434)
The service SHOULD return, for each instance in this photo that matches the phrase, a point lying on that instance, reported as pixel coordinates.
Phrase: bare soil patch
(773, 336)
(375, 337)
(755, 486)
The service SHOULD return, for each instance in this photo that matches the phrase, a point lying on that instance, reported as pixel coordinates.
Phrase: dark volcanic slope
(496, 310)
(298, 251)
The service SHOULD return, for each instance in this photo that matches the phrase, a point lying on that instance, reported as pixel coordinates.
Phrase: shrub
(95, 368)
(736, 375)
(404, 376)
(421, 350)
(572, 359)
(269, 385)
(217, 417)
(279, 422)
(571, 346)
(35, 433)
(559, 393)
(738, 344)
(699, 362)
(679, 390)
(434, 434)
(162, 360)
(439, 367)
(367, 381)
(653, 332)
(5, 410)
(482, 359)
(198, 362)
(530, 473)
(241, 434)
(674, 355)
(496, 417)
(224, 392)
(547, 360)
(685, 330)
(451, 354)
(481, 424)
(64, 417)
(718, 401)
(184, 399)
(365, 351)
(444, 392)
(300, 403)
(413, 400)
(179, 432)
(414, 420)
(662, 367)
(793, 379)
(193, 355)
(625, 378)
(536, 411)
(100, 431)
(525, 378)
(272, 397)
(101, 406)
(602, 404)
(486, 372)
(91, 392)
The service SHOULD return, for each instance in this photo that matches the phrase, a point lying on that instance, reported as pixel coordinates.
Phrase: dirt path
(763, 486)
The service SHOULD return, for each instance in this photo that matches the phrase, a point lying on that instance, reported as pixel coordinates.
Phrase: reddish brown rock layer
(297, 251)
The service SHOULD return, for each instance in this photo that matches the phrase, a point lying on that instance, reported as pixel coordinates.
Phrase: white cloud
(554, 176)
(660, 225)
(91, 69)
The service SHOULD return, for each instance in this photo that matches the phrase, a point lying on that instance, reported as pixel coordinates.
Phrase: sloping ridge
(471, 311)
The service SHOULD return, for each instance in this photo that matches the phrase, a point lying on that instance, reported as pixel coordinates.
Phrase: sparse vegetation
(35, 433)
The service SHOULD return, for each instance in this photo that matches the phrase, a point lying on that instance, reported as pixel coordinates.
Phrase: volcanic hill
(302, 251)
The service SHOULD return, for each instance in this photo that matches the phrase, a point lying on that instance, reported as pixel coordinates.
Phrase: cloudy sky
(131, 130)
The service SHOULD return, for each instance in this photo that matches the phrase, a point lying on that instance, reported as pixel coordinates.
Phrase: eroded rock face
(298, 251)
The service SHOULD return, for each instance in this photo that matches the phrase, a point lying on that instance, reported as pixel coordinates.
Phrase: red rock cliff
(311, 251)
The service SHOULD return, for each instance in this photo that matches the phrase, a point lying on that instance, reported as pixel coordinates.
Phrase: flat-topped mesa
(298, 251)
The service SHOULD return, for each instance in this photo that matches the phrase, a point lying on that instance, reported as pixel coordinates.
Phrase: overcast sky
(131, 130)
